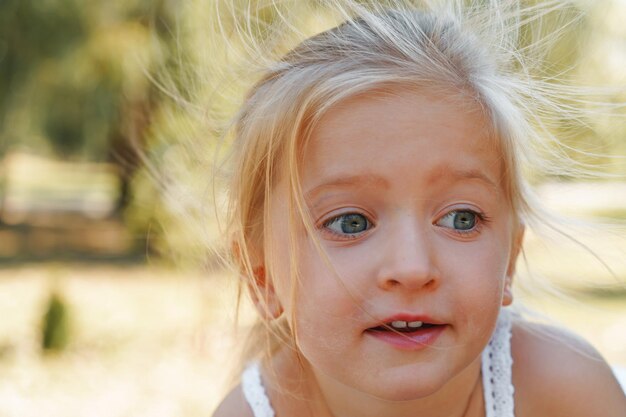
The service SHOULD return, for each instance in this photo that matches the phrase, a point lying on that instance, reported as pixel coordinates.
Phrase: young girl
(378, 210)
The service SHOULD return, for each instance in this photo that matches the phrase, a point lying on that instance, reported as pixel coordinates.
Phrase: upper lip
(408, 317)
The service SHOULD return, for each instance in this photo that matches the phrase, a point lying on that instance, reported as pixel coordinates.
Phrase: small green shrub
(55, 325)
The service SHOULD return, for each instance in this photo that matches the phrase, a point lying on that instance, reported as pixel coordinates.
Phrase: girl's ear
(507, 295)
(264, 295)
(507, 298)
(259, 287)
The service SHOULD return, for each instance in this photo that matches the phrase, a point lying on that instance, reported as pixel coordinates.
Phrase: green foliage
(71, 72)
(55, 330)
(73, 81)
(30, 35)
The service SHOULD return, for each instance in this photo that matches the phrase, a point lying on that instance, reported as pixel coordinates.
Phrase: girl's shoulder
(234, 405)
(556, 373)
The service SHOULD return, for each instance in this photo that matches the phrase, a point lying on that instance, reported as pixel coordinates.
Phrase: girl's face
(406, 197)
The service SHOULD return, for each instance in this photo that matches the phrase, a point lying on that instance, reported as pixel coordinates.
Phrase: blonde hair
(472, 47)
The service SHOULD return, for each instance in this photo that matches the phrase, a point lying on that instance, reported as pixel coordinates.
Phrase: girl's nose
(408, 261)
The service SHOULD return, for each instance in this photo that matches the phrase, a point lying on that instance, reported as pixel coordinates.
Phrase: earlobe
(507, 297)
(264, 295)
(261, 290)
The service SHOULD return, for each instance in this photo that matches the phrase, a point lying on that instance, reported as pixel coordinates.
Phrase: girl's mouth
(407, 334)
(403, 326)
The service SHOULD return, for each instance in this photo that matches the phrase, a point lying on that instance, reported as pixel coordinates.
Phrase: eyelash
(346, 236)
(482, 219)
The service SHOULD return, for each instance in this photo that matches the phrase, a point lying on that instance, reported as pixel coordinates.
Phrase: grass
(144, 342)
(610, 214)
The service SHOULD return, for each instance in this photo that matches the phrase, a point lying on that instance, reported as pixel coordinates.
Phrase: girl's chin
(405, 392)
(404, 385)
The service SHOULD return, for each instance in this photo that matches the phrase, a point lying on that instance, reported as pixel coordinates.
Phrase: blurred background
(109, 302)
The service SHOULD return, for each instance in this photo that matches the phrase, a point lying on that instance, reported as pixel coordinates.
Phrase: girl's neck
(304, 392)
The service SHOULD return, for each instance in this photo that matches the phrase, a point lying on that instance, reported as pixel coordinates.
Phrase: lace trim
(496, 370)
(253, 390)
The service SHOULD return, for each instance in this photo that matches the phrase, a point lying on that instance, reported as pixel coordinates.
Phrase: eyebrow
(446, 172)
(441, 173)
(347, 180)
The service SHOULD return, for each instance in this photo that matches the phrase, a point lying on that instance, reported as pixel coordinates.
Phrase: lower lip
(417, 340)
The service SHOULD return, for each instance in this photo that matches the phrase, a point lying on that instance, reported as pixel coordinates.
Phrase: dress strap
(497, 370)
(253, 391)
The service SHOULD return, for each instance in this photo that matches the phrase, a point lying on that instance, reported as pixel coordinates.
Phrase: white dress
(496, 373)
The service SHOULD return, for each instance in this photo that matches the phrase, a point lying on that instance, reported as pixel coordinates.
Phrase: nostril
(430, 283)
(410, 282)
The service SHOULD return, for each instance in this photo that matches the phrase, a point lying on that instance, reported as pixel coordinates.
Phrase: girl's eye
(348, 224)
(460, 220)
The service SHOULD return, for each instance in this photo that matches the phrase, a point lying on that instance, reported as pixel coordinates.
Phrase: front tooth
(400, 324)
(415, 324)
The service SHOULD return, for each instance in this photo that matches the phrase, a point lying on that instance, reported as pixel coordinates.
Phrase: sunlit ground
(149, 341)
(145, 342)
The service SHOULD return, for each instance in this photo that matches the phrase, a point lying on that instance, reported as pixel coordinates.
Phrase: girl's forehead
(397, 108)
(437, 128)
(402, 146)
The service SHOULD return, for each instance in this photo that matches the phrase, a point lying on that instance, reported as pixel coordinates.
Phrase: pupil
(464, 220)
(353, 223)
